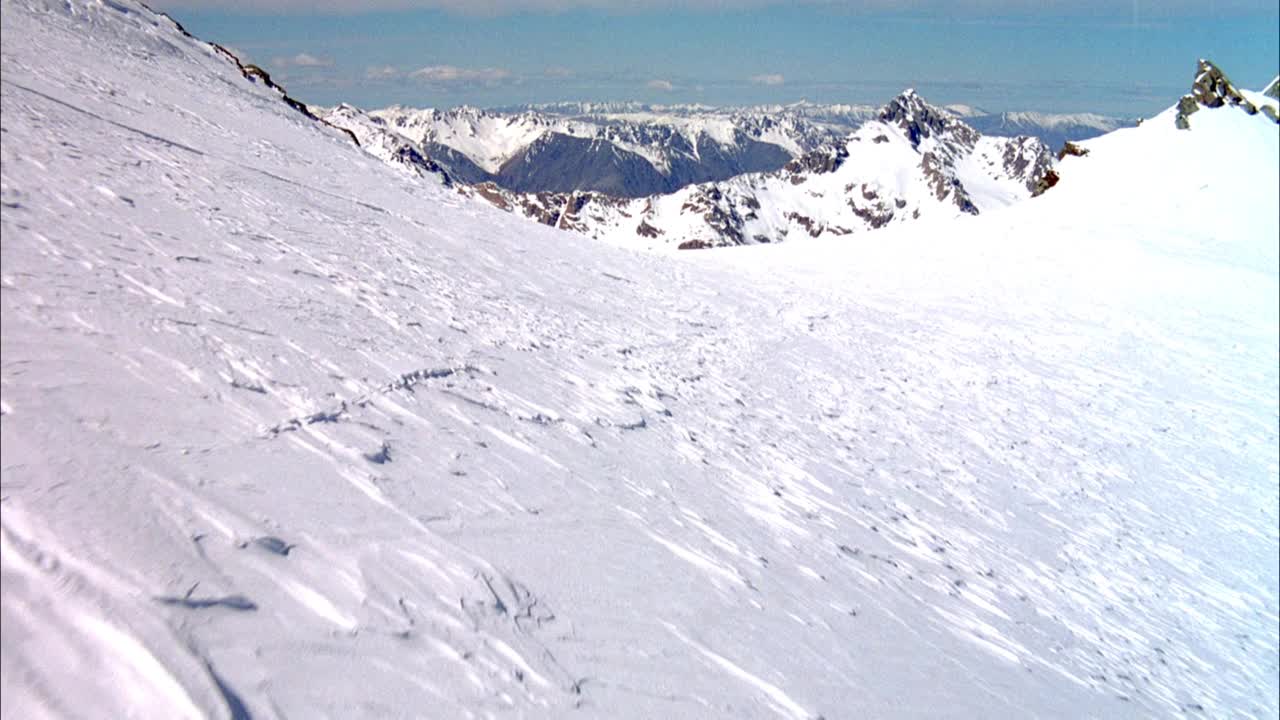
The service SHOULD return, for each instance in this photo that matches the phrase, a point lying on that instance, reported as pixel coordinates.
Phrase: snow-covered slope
(287, 433)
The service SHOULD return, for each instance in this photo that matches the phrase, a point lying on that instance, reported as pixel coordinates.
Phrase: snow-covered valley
(286, 433)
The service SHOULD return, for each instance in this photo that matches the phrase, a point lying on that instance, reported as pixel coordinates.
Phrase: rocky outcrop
(720, 215)
(1048, 180)
(822, 160)
(1070, 149)
(1211, 89)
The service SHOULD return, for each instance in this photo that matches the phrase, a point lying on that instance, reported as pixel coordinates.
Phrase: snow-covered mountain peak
(916, 163)
(920, 120)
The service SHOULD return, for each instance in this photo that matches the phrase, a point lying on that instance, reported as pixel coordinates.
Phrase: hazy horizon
(1118, 58)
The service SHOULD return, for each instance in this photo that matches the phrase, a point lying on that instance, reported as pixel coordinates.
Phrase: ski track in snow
(287, 436)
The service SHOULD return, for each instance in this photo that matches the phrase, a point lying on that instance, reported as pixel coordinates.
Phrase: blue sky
(1131, 57)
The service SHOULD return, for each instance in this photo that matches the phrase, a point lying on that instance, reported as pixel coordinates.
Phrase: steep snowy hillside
(289, 433)
(914, 161)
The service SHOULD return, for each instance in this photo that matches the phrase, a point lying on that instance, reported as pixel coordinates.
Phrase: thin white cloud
(302, 60)
(768, 79)
(558, 71)
(664, 85)
(381, 72)
(453, 75)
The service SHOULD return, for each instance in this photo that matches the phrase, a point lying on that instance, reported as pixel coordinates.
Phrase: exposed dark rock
(1048, 180)
(875, 216)
(809, 224)
(644, 229)
(943, 183)
(253, 73)
(490, 192)
(1186, 106)
(822, 160)
(1072, 149)
(692, 245)
(1212, 89)
(920, 120)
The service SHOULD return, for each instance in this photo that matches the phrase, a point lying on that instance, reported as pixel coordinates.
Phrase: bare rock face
(1186, 106)
(1049, 180)
(1211, 89)
(822, 160)
(944, 184)
(718, 212)
(1028, 158)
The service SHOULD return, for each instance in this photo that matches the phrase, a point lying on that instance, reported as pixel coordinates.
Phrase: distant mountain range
(633, 150)
(904, 161)
(913, 160)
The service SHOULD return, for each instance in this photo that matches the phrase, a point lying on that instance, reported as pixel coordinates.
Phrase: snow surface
(287, 433)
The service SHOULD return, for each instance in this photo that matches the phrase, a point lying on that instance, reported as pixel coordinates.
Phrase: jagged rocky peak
(1212, 89)
(920, 120)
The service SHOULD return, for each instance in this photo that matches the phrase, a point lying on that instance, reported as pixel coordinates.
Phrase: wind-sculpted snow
(289, 433)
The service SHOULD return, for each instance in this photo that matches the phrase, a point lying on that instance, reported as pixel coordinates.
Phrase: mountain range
(630, 150)
(910, 160)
